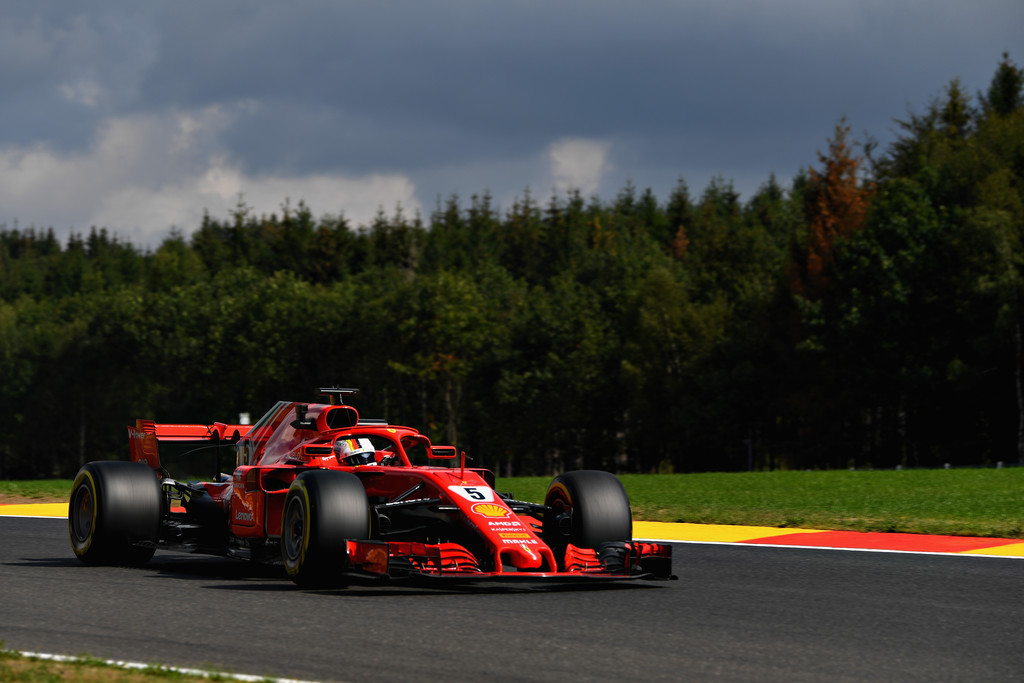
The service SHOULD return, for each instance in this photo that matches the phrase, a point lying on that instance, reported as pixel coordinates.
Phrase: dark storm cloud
(62, 71)
(461, 96)
(404, 86)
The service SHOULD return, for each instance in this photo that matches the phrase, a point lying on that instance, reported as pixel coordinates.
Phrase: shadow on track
(224, 574)
(44, 562)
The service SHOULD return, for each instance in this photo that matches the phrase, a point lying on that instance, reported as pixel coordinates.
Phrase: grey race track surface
(736, 614)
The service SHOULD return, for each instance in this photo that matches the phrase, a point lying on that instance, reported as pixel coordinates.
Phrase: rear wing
(145, 435)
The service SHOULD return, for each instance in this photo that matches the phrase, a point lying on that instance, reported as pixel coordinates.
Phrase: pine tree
(1006, 92)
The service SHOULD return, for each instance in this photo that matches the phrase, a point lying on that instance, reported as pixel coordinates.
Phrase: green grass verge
(42, 490)
(965, 502)
(17, 667)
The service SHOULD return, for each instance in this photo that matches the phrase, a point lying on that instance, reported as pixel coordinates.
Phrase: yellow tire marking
(293, 570)
(94, 494)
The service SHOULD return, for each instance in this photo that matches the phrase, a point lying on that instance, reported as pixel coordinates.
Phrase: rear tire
(322, 510)
(587, 508)
(114, 513)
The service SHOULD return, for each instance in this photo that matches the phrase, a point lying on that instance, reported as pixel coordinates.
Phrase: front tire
(322, 510)
(114, 513)
(587, 508)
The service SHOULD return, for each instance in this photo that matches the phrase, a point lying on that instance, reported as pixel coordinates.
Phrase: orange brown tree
(837, 203)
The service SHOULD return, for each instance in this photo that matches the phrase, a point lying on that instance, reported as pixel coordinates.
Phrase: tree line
(867, 314)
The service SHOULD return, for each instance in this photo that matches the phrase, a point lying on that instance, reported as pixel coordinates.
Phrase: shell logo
(491, 510)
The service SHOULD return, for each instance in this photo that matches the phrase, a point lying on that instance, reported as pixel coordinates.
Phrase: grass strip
(35, 491)
(15, 666)
(40, 668)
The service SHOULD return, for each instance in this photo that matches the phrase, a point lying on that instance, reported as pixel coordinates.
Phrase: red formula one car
(332, 495)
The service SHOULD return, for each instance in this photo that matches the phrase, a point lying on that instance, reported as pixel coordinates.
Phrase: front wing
(614, 561)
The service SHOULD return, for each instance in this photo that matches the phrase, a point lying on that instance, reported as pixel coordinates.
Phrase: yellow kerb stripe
(1011, 550)
(709, 532)
(36, 510)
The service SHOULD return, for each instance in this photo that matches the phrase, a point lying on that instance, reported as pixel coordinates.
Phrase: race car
(333, 496)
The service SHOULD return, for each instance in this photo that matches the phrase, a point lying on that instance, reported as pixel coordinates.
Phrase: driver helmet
(355, 452)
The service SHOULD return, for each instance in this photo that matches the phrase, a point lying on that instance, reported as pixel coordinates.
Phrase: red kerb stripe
(884, 541)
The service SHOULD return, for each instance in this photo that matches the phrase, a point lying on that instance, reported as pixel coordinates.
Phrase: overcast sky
(138, 116)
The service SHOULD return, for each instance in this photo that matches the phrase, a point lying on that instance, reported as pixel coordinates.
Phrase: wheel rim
(294, 532)
(82, 513)
(561, 513)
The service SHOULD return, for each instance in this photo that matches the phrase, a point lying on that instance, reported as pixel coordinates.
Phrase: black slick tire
(322, 510)
(114, 513)
(587, 508)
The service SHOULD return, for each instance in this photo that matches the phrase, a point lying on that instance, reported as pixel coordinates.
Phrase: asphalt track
(739, 612)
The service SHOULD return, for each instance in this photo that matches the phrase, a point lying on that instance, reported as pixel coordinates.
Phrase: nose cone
(521, 557)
